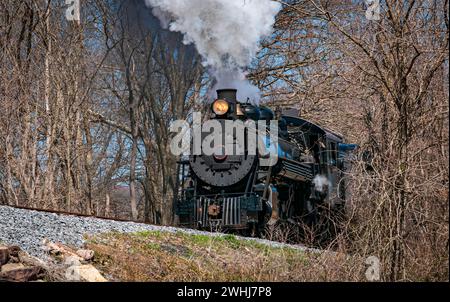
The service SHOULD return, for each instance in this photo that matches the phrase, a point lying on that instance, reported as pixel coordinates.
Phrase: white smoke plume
(226, 33)
(321, 183)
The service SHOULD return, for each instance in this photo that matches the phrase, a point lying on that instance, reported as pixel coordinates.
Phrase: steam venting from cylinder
(226, 33)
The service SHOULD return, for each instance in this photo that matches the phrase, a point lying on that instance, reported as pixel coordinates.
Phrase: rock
(58, 249)
(11, 267)
(21, 267)
(4, 255)
(14, 251)
(17, 272)
(28, 260)
(52, 249)
(87, 255)
(13, 259)
(72, 261)
(86, 273)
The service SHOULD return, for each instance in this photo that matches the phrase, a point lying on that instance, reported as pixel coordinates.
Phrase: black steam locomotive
(235, 192)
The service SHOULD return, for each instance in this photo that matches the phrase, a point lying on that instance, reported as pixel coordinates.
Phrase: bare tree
(383, 83)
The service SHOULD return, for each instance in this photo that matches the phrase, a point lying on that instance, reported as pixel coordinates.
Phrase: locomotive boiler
(224, 191)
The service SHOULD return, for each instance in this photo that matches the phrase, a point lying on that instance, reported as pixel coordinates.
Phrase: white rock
(11, 267)
(86, 254)
(72, 261)
(86, 273)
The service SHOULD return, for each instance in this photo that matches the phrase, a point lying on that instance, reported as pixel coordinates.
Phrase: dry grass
(156, 256)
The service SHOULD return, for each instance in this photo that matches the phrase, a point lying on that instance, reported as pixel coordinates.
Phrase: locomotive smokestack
(227, 94)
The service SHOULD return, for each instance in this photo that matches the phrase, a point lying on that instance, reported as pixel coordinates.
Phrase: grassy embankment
(160, 256)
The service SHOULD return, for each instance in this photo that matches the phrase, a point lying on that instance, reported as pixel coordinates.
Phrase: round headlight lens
(221, 107)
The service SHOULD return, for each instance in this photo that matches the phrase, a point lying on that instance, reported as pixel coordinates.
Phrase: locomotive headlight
(220, 107)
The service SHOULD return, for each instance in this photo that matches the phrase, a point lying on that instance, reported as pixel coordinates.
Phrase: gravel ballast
(28, 229)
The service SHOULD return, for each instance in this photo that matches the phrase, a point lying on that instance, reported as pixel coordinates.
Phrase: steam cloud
(226, 33)
(321, 183)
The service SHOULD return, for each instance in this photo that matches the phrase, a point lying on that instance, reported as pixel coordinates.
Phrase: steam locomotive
(237, 192)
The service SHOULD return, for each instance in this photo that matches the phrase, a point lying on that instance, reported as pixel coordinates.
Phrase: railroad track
(73, 214)
(28, 227)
